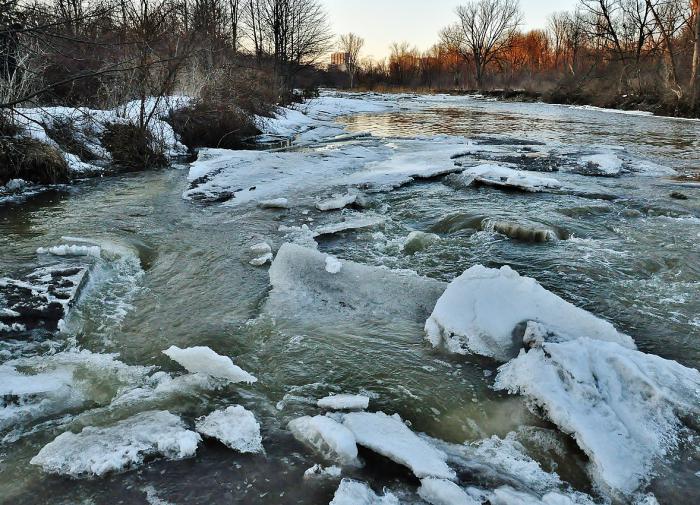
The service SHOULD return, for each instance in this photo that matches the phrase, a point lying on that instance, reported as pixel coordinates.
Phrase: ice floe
(344, 402)
(124, 445)
(481, 310)
(390, 437)
(352, 492)
(337, 202)
(205, 361)
(504, 177)
(235, 427)
(444, 492)
(351, 222)
(329, 438)
(603, 164)
(301, 286)
(276, 203)
(333, 265)
(624, 408)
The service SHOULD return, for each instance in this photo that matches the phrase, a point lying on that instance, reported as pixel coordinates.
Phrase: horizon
(422, 21)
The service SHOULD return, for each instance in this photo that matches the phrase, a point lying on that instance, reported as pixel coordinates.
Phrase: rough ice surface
(444, 492)
(235, 427)
(352, 492)
(390, 437)
(333, 265)
(205, 361)
(319, 471)
(624, 408)
(344, 402)
(124, 445)
(504, 177)
(329, 438)
(337, 202)
(301, 285)
(480, 311)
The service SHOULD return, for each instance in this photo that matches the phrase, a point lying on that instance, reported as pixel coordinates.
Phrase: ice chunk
(344, 402)
(333, 265)
(206, 361)
(337, 202)
(444, 492)
(262, 248)
(480, 311)
(390, 437)
(275, 203)
(352, 492)
(504, 177)
(351, 223)
(329, 438)
(261, 260)
(604, 164)
(623, 407)
(505, 495)
(235, 427)
(97, 451)
(318, 471)
(302, 287)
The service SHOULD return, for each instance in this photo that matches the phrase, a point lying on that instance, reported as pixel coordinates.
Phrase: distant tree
(484, 32)
(351, 45)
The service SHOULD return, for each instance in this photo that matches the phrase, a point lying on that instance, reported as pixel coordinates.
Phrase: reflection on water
(633, 260)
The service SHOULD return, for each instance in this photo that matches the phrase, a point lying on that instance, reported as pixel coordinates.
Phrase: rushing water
(180, 276)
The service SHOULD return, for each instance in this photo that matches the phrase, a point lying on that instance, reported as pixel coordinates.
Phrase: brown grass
(31, 160)
(132, 147)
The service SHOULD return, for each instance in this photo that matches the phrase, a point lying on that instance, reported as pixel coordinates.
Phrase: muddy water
(182, 278)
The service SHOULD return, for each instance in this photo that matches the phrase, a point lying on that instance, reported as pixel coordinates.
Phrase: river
(176, 272)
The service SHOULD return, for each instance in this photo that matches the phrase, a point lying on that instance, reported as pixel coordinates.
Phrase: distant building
(339, 61)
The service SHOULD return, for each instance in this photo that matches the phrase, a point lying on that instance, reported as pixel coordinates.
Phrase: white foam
(235, 427)
(126, 444)
(480, 310)
(206, 361)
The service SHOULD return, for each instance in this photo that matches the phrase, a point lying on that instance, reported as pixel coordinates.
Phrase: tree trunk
(695, 78)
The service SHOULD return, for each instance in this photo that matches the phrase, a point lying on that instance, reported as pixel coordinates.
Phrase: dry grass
(31, 160)
(133, 148)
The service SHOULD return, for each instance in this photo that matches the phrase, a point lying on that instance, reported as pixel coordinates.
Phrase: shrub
(31, 160)
(133, 147)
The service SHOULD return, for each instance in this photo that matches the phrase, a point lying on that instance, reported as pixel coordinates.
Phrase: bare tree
(694, 76)
(484, 31)
(351, 45)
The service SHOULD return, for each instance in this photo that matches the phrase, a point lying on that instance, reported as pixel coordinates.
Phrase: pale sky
(381, 22)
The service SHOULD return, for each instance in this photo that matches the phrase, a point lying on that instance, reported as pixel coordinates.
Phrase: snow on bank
(504, 177)
(344, 402)
(235, 427)
(205, 361)
(302, 286)
(327, 437)
(126, 444)
(352, 492)
(624, 408)
(481, 310)
(390, 437)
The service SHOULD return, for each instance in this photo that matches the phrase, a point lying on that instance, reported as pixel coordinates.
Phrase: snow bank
(623, 407)
(206, 361)
(301, 286)
(344, 402)
(351, 492)
(504, 177)
(329, 438)
(235, 427)
(481, 310)
(97, 451)
(390, 437)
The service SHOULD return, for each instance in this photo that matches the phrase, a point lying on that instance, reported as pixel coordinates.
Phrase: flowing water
(179, 275)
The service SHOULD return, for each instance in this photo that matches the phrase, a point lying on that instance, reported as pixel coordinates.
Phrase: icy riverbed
(424, 299)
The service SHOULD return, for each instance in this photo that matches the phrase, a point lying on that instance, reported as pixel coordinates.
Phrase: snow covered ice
(504, 177)
(329, 438)
(124, 445)
(624, 408)
(480, 310)
(337, 202)
(235, 427)
(205, 361)
(352, 492)
(444, 492)
(344, 402)
(390, 437)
